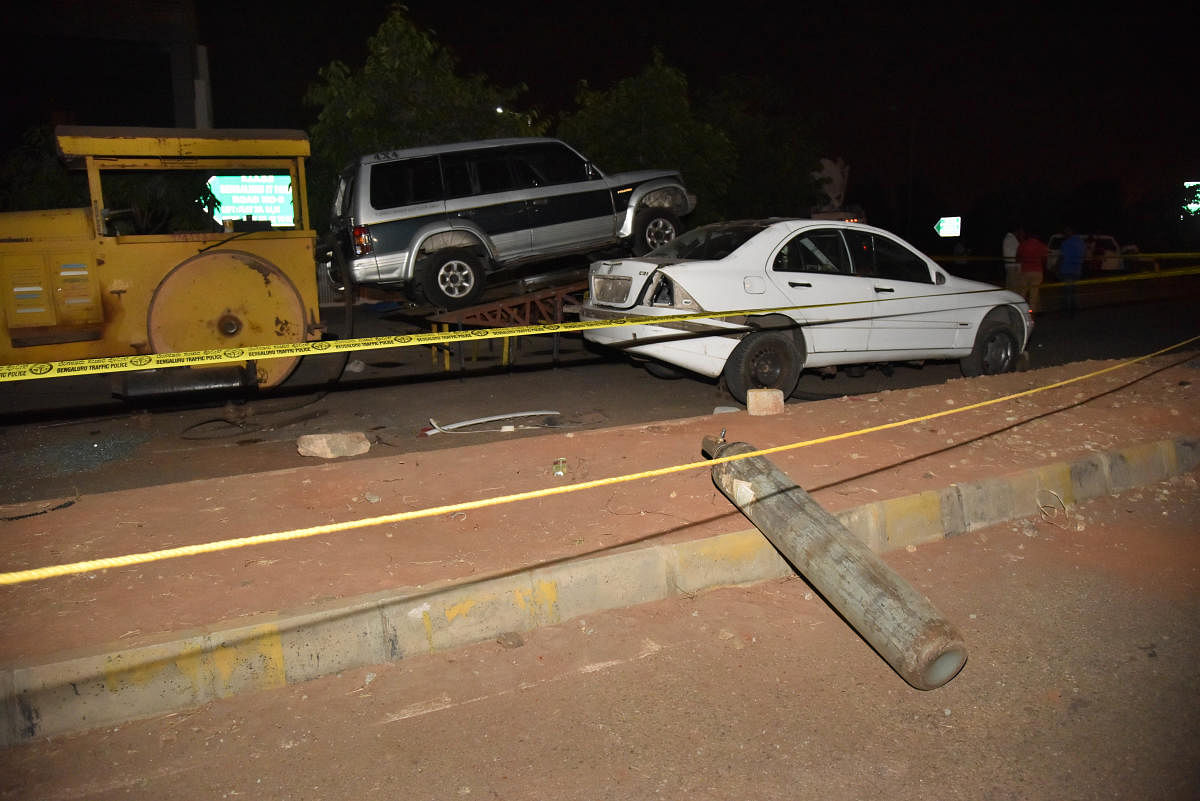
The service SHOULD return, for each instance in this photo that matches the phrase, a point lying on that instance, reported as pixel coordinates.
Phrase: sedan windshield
(711, 242)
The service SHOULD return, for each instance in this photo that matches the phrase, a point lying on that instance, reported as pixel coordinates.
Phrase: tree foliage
(408, 93)
(646, 121)
(33, 177)
(776, 151)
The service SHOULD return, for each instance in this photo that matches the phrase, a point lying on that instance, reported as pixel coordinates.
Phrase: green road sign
(257, 197)
(948, 226)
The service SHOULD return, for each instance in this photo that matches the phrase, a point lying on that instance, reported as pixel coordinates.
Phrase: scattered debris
(1050, 510)
(44, 510)
(435, 427)
(510, 639)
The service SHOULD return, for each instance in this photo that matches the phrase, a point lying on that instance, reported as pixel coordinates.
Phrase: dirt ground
(1081, 683)
(1140, 403)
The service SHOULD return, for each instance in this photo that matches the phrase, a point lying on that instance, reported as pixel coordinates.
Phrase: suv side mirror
(593, 172)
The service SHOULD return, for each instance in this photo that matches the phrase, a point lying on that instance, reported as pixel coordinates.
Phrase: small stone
(763, 402)
(333, 446)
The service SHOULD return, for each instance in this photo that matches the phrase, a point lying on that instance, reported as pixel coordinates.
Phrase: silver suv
(434, 222)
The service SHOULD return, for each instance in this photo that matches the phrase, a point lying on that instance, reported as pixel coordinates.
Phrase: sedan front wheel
(995, 351)
(764, 360)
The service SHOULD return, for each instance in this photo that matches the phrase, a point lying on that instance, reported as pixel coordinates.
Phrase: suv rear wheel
(451, 278)
(653, 227)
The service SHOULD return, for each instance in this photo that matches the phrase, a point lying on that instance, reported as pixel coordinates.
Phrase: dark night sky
(976, 97)
(983, 97)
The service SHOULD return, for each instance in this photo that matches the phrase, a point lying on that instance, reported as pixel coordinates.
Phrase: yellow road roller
(193, 240)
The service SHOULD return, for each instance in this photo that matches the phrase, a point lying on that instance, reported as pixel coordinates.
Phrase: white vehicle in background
(809, 294)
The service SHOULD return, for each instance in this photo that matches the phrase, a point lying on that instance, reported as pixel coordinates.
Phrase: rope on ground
(53, 571)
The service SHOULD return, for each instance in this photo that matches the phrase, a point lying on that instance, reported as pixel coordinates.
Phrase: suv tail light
(360, 240)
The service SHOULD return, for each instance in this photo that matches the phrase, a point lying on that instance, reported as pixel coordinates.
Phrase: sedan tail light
(664, 292)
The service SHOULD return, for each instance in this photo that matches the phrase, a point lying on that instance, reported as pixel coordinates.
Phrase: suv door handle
(465, 213)
(794, 284)
(539, 202)
(884, 289)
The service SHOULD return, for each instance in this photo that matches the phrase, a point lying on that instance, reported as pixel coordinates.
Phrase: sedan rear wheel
(995, 351)
(763, 360)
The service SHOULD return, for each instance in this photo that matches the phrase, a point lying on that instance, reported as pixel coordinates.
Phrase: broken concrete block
(333, 446)
(761, 402)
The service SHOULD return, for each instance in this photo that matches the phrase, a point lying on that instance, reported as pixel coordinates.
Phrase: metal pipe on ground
(897, 621)
(142, 384)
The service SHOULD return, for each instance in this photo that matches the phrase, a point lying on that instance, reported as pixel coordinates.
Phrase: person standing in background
(1031, 262)
(1008, 252)
(1070, 267)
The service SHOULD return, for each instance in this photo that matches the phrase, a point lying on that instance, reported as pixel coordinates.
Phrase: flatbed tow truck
(131, 274)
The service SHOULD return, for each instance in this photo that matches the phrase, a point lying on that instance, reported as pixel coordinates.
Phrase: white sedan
(810, 294)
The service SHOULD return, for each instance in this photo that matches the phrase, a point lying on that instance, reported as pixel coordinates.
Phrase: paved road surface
(1081, 684)
(55, 454)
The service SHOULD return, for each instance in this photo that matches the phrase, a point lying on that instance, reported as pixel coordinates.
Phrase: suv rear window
(403, 183)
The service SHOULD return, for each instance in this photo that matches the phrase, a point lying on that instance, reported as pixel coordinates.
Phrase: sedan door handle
(884, 289)
(794, 284)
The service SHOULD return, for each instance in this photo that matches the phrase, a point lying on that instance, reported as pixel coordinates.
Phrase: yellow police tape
(198, 358)
(53, 571)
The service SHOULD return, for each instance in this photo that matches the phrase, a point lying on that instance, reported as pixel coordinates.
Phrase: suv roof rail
(423, 150)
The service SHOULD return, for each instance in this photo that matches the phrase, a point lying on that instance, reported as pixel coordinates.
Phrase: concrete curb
(111, 684)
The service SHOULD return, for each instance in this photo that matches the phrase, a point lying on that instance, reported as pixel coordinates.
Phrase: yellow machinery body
(77, 286)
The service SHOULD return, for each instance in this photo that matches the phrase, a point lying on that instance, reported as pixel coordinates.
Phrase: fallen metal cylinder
(897, 621)
(141, 384)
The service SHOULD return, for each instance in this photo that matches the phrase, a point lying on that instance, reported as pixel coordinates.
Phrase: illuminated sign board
(257, 197)
(1192, 193)
(948, 226)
